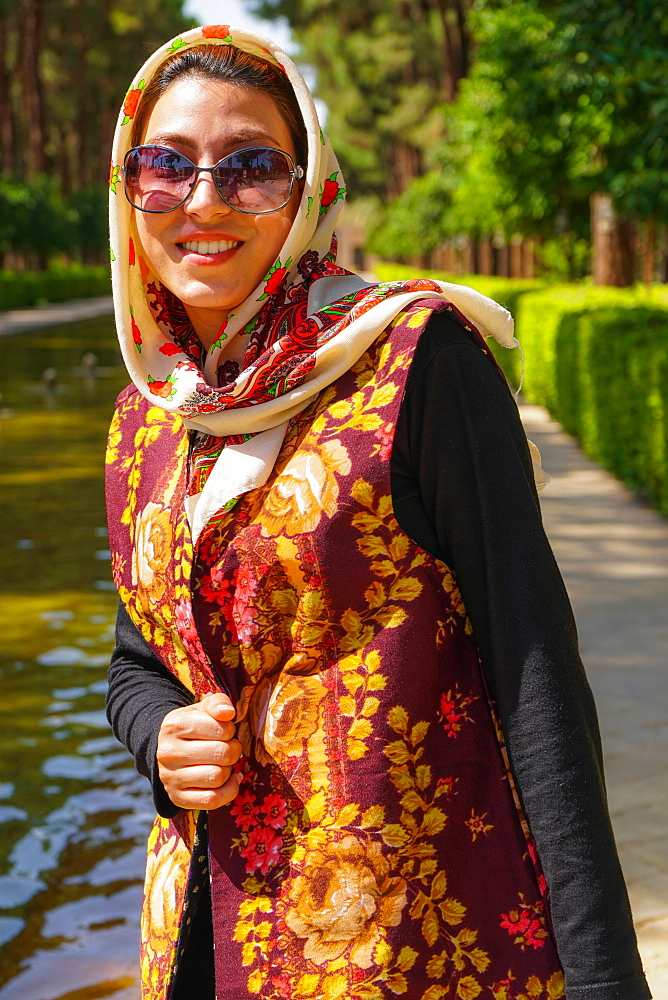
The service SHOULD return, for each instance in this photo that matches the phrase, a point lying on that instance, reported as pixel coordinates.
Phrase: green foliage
(64, 70)
(33, 217)
(22, 289)
(417, 222)
(564, 100)
(37, 222)
(564, 258)
(597, 358)
(619, 52)
(521, 105)
(89, 222)
(385, 69)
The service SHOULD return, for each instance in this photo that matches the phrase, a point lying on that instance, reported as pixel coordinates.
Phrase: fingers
(207, 798)
(192, 753)
(186, 724)
(196, 751)
(196, 722)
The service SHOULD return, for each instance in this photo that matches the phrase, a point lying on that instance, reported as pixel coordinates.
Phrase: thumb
(218, 706)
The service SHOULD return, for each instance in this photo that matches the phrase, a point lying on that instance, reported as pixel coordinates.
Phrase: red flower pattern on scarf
(163, 389)
(170, 349)
(274, 280)
(136, 335)
(331, 192)
(131, 102)
(217, 31)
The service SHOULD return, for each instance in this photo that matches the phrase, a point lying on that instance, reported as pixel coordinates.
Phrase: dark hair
(226, 62)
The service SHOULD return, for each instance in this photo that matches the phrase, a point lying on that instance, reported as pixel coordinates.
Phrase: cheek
(153, 245)
(276, 232)
(148, 231)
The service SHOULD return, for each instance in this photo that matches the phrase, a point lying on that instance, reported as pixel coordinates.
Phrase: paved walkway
(18, 320)
(613, 552)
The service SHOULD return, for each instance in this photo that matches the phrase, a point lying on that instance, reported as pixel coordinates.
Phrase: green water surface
(73, 813)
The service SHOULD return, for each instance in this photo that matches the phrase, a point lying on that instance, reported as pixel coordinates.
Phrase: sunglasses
(254, 181)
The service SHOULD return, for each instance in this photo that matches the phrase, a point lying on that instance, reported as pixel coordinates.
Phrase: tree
(64, 69)
(567, 103)
(385, 69)
(622, 50)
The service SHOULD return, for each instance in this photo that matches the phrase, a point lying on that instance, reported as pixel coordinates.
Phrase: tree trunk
(502, 260)
(449, 258)
(465, 256)
(485, 256)
(528, 259)
(6, 118)
(405, 167)
(457, 44)
(516, 257)
(612, 244)
(649, 251)
(33, 93)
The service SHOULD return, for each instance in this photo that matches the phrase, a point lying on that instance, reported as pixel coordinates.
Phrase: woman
(300, 468)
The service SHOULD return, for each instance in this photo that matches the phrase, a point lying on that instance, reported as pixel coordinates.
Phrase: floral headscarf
(292, 352)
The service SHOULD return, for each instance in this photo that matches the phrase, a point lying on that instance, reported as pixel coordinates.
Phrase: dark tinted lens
(157, 179)
(255, 180)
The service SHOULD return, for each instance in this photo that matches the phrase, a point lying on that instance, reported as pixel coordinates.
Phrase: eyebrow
(243, 135)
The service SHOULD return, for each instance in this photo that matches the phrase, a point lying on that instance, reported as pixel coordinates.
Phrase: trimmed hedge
(21, 289)
(597, 359)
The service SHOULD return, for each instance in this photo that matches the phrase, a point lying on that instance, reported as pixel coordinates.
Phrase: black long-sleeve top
(463, 489)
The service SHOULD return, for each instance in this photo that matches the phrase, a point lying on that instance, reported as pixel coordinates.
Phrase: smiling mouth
(213, 246)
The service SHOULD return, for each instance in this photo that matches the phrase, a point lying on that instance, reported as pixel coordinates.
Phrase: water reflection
(73, 813)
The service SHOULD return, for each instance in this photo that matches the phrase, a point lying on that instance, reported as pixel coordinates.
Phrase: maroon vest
(376, 848)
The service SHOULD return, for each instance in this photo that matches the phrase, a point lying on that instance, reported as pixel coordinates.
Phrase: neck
(207, 328)
(207, 324)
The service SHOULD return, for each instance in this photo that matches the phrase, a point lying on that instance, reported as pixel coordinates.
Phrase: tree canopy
(64, 69)
(501, 116)
(385, 70)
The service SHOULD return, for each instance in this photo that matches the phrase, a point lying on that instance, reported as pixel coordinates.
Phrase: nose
(204, 200)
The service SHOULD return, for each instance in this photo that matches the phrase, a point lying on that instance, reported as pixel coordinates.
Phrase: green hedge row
(21, 289)
(597, 358)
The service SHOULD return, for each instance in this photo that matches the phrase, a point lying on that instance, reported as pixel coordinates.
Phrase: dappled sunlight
(73, 812)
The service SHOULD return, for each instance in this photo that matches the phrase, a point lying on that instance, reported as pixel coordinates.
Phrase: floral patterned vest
(376, 848)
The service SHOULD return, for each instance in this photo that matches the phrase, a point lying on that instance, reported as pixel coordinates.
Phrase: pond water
(74, 815)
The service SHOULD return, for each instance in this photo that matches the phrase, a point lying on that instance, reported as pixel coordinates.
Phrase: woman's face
(207, 119)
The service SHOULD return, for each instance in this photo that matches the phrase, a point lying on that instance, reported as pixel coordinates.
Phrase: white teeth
(213, 246)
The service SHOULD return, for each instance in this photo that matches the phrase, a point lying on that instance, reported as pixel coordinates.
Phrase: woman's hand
(196, 751)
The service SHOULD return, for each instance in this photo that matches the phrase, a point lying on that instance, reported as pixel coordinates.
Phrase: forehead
(204, 113)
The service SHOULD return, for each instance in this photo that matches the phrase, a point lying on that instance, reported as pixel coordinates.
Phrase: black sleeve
(463, 488)
(141, 693)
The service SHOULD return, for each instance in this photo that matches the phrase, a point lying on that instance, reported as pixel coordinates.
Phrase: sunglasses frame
(297, 173)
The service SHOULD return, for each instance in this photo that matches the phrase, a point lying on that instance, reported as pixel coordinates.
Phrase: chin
(203, 297)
